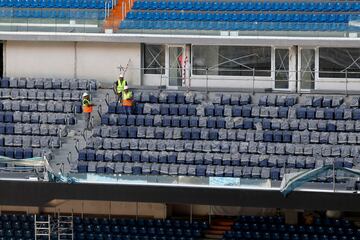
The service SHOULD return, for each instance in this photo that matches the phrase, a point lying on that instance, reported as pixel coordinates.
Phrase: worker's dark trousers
(87, 120)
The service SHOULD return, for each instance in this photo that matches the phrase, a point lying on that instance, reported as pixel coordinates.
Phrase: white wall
(70, 59)
(39, 59)
(101, 60)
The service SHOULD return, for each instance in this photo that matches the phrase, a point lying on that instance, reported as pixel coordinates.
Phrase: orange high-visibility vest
(87, 107)
(127, 99)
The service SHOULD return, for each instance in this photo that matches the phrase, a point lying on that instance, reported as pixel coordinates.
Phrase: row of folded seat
(204, 110)
(326, 101)
(139, 230)
(235, 159)
(233, 147)
(72, 4)
(40, 95)
(41, 106)
(216, 98)
(132, 222)
(302, 6)
(51, 13)
(185, 170)
(21, 153)
(49, 83)
(226, 134)
(32, 129)
(241, 17)
(231, 123)
(82, 236)
(328, 113)
(38, 117)
(30, 141)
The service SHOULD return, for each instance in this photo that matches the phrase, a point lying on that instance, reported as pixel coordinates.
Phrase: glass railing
(52, 20)
(351, 29)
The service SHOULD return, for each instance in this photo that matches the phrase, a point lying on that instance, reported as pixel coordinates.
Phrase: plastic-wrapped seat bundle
(41, 106)
(253, 147)
(15, 105)
(245, 99)
(215, 146)
(157, 120)
(150, 132)
(68, 107)
(152, 144)
(333, 138)
(40, 95)
(189, 97)
(255, 111)
(280, 148)
(305, 137)
(198, 146)
(307, 101)
(299, 149)
(172, 145)
(264, 111)
(188, 146)
(177, 133)
(206, 146)
(6, 105)
(326, 150)
(243, 147)
(320, 113)
(225, 147)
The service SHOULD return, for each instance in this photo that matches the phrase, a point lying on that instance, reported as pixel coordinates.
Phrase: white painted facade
(72, 60)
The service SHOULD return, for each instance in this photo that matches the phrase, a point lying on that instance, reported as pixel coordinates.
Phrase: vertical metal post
(191, 213)
(253, 81)
(210, 213)
(346, 82)
(333, 173)
(137, 210)
(207, 81)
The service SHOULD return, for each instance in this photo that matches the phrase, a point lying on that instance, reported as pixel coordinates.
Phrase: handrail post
(346, 83)
(207, 82)
(253, 81)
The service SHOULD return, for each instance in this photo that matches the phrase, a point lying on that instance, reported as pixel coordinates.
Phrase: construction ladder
(65, 227)
(42, 228)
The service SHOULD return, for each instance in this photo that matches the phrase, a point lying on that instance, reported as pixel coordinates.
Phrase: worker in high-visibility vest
(127, 99)
(87, 107)
(119, 86)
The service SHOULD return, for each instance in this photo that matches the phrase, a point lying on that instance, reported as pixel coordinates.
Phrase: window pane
(307, 71)
(282, 68)
(154, 59)
(335, 62)
(232, 60)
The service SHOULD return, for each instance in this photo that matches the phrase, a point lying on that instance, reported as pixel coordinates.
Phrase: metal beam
(41, 193)
(182, 39)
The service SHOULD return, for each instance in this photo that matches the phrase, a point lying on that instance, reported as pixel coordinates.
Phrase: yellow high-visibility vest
(121, 85)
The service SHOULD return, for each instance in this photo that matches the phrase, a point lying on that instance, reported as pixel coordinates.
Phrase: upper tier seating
(242, 16)
(61, 9)
(228, 135)
(254, 227)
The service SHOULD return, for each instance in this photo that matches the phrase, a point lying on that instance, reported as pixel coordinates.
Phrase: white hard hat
(85, 94)
(126, 87)
(121, 76)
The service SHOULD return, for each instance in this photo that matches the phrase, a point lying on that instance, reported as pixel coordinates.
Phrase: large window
(232, 60)
(154, 59)
(339, 62)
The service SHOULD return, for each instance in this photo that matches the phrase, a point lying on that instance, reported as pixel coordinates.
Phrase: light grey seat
(243, 148)
(172, 145)
(83, 84)
(13, 83)
(134, 144)
(253, 147)
(229, 122)
(17, 117)
(152, 145)
(147, 108)
(222, 134)
(76, 95)
(255, 111)
(168, 133)
(15, 105)
(238, 122)
(231, 134)
(68, 107)
(161, 145)
(42, 106)
(157, 120)
(30, 83)
(23, 94)
(150, 132)
(143, 144)
(198, 146)
(189, 97)
(177, 133)
(227, 111)
(6, 93)
(74, 84)
(188, 146)
(312, 125)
